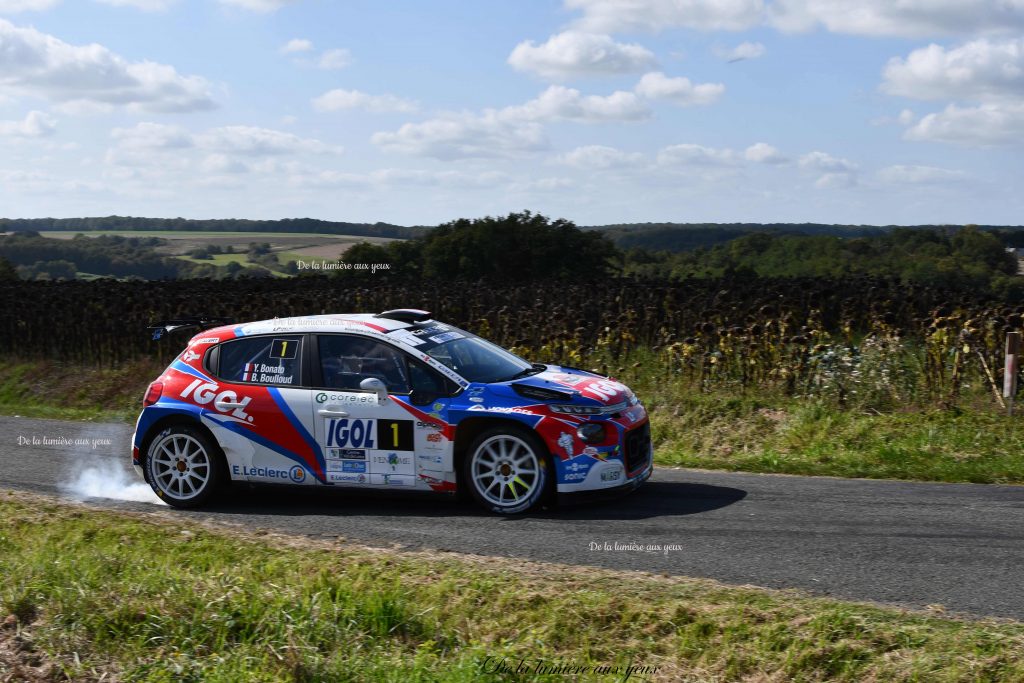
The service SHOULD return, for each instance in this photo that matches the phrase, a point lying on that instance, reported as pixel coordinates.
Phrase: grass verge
(139, 597)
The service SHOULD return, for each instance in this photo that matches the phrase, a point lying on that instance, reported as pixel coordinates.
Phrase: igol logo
(297, 474)
(321, 397)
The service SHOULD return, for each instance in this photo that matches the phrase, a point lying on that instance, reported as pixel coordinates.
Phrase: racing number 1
(395, 435)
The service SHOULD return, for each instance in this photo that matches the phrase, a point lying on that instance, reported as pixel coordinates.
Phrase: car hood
(584, 387)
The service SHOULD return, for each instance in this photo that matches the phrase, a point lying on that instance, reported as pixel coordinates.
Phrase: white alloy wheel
(183, 466)
(506, 473)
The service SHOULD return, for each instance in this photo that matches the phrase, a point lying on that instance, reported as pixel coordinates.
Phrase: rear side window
(261, 360)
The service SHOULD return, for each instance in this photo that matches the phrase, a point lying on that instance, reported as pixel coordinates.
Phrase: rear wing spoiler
(164, 327)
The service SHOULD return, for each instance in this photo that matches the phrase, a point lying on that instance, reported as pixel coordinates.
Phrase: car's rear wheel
(506, 470)
(183, 466)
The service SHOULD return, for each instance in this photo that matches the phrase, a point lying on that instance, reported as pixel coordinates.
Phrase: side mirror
(376, 386)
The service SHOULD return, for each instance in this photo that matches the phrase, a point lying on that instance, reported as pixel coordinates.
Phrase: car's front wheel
(183, 466)
(506, 470)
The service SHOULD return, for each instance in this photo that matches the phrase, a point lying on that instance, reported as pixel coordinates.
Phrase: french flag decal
(249, 372)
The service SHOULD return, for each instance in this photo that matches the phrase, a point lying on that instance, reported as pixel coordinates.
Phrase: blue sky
(599, 111)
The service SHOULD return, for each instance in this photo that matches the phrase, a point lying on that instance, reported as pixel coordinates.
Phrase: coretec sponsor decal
(352, 399)
(204, 393)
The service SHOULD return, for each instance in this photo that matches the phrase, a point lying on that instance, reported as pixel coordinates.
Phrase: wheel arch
(473, 427)
(171, 420)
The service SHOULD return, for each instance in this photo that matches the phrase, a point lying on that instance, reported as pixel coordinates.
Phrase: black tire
(184, 466)
(507, 470)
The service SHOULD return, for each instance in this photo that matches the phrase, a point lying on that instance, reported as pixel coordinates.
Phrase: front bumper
(592, 495)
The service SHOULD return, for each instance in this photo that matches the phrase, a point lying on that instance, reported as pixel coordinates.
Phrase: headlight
(577, 410)
(571, 409)
(591, 432)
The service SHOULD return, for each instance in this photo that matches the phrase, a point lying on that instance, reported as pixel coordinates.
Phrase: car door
(368, 438)
(265, 427)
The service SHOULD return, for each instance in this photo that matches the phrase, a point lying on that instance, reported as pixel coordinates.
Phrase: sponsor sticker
(297, 474)
(393, 479)
(264, 472)
(206, 340)
(407, 337)
(352, 399)
(350, 433)
(446, 337)
(345, 454)
(353, 466)
(391, 463)
(227, 402)
(428, 459)
(189, 356)
(345, 478)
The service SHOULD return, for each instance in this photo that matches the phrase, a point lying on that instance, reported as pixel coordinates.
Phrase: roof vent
(405, 315)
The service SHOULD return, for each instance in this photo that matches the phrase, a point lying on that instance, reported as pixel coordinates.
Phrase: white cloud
(987, 124)
(511, 131)
(600, 157)
(918, 175)
(607, 16)
(339, 99)
(658, 86)
(337, 58)
(396, 177)
(906, 18)
(148, 135)
(221, 163)
(906, 117)
(463, 136)
(745, 50)
(980, 70)
(38, 64)
(296, 45)
(836, 172)
(14, 6)
(251, 140)
(144, 5)
(830, 181)
(559, 103)
(571, 54)
(262, 6)
(763, 153)
(903, 18)
(36, 124)
(696, 155)
(822, 161)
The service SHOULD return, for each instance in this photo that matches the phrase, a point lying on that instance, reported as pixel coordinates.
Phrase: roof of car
(334, 322)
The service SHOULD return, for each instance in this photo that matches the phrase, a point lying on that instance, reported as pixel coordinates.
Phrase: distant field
(290, 245)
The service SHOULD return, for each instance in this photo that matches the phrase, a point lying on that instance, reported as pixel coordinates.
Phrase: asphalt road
(912, 544)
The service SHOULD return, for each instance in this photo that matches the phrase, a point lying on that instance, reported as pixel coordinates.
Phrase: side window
(345, 361)
(261, 360)
(426, 381)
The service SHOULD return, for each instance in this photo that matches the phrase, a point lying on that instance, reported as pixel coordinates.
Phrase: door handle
(335, 413)
(227, 405)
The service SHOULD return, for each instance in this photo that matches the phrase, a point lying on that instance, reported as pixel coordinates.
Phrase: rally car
(395, 399)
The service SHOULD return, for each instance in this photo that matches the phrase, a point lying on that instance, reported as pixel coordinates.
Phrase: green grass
(69, 391)
(160, 598)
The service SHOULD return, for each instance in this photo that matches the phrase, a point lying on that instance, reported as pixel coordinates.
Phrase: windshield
(473, 358)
